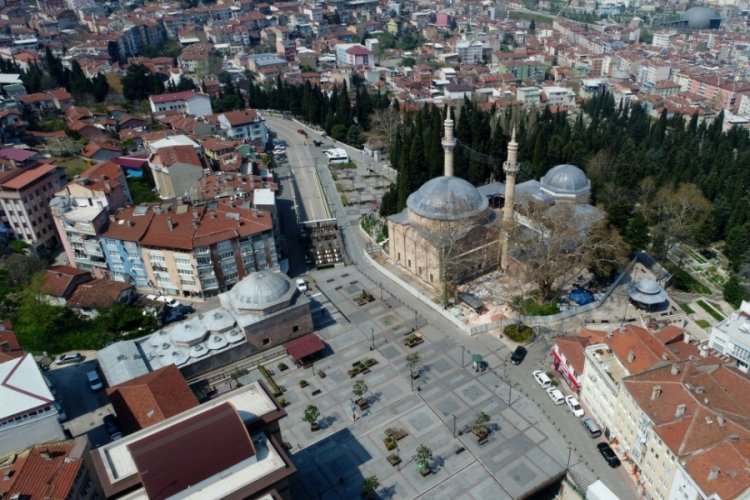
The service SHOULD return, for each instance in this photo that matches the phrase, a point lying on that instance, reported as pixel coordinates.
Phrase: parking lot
(83, 407)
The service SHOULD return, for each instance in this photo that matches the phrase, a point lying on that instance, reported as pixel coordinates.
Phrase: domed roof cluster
(447, 198)
(259, 289)
(648, 292)
(701, 18)
(566, 180)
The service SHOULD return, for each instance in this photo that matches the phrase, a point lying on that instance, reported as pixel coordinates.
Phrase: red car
(300, 131)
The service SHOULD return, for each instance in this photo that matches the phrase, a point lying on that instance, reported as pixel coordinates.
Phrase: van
(591, 427)
(95, 383)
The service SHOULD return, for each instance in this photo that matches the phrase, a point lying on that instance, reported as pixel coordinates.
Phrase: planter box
(425, 472)
(314, 427)
(390, 443)
(394, 460)
(362, 403)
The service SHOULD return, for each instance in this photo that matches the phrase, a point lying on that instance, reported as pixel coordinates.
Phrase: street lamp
(372, 336)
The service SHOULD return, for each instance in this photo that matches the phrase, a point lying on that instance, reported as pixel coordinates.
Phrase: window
(266, 341)
(295, 328)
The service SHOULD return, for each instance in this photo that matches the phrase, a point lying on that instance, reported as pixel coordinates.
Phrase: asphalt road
(303, 156)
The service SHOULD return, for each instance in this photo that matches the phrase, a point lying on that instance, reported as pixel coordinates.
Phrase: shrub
(519, 332)
(274, 386)
(303, 383)
(282, 367)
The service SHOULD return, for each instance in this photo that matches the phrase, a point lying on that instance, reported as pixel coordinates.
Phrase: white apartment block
(732, 337)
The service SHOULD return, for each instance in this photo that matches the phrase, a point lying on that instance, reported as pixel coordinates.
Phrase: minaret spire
(449, 143)
(510, 167)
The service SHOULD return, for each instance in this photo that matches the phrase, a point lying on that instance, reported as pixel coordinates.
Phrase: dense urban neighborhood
(374, 248)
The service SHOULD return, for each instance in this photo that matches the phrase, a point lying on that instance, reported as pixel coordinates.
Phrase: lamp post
(463, 349)
(372, 336)
(454, 425)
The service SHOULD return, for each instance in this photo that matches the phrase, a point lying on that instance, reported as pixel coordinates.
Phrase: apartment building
(176, 169)
(24, 198)
(684, 428)
(244, 125)
(81, 213)
(732, 337)
(188, 102)
(187, 250)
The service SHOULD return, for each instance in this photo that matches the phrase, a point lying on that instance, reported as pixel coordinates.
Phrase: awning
(471, 301)
(305, 346)
(476, 358)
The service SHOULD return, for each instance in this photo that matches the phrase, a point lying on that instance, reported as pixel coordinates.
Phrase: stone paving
(522, 455)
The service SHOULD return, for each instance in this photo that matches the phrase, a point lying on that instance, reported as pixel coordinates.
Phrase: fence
(529, 320)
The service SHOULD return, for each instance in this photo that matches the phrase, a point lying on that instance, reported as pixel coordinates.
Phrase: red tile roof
(175, 96)
(177, 154)
(572, 347)
(58, 280)
(173, 459)
(127, 226)
(97, 176)
(44, 471)
(9, 346)
(29, 176)
(636, 342)
(151, 398)
(304, 346)
(239, 118)
(98, 294)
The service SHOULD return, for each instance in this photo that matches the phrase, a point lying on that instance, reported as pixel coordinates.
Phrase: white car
(301, 285)
(170, 301)
(574, 406)
(556, 396)
(542, 379)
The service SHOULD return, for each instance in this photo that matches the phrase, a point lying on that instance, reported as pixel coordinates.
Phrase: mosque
(451, 231)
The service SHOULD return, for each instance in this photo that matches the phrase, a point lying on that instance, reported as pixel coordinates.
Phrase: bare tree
(554, 244)
(677, 214)
(384, 124)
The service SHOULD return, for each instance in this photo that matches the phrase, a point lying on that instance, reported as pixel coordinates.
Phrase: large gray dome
(702, 18)
(259, 289)
(566, 180)
(447, 198)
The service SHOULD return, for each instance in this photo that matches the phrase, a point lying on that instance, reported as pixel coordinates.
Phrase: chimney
(686, 337)
(170, 224)
(720, 419)
(734, 438)
(680, 411)
(675, 369)
(655, 392)
(107, 184)
(704, 351)
(631, 356)
(130, 223)
(714, 474)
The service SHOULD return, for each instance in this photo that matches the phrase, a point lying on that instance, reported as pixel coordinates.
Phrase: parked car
(591, 427)
(182, 309)
(574, 405)
(555, 395)
(301, 285)
(518, 355)
(609, 454)
(300, 131)
(95, 383)
(172, 317)
(110, 423)
(542, 379)
(70, 358)
(170, 301)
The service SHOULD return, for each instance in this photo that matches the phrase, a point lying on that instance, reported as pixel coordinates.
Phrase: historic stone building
(448, 233)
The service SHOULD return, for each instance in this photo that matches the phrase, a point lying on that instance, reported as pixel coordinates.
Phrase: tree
(20, 269)
(311, 416)
(734, 292)
(559, 244)
(359, 388)
(480, 427)
(422, 457)
(369, 486)
(139, 83)
(384, 124)
(677, 214)
(412, 360)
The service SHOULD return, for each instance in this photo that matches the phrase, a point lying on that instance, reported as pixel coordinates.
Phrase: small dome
(702, 18)
(566, 180)
(259, 289)
(648, 286)
(447, 198)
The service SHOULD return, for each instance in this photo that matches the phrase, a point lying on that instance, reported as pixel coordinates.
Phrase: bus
(336, 155)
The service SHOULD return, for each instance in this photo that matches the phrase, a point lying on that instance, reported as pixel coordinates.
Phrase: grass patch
(710, 310)
(519, 333)
(532, 307)
(73, 166)
(703, 323)
(687, 308)
(141, 190)
(682, 280)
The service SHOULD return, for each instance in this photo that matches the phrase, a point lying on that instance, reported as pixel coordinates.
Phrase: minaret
(449, 142)
(510, 167)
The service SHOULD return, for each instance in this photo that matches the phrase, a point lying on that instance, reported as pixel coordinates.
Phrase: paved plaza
(523, 454)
